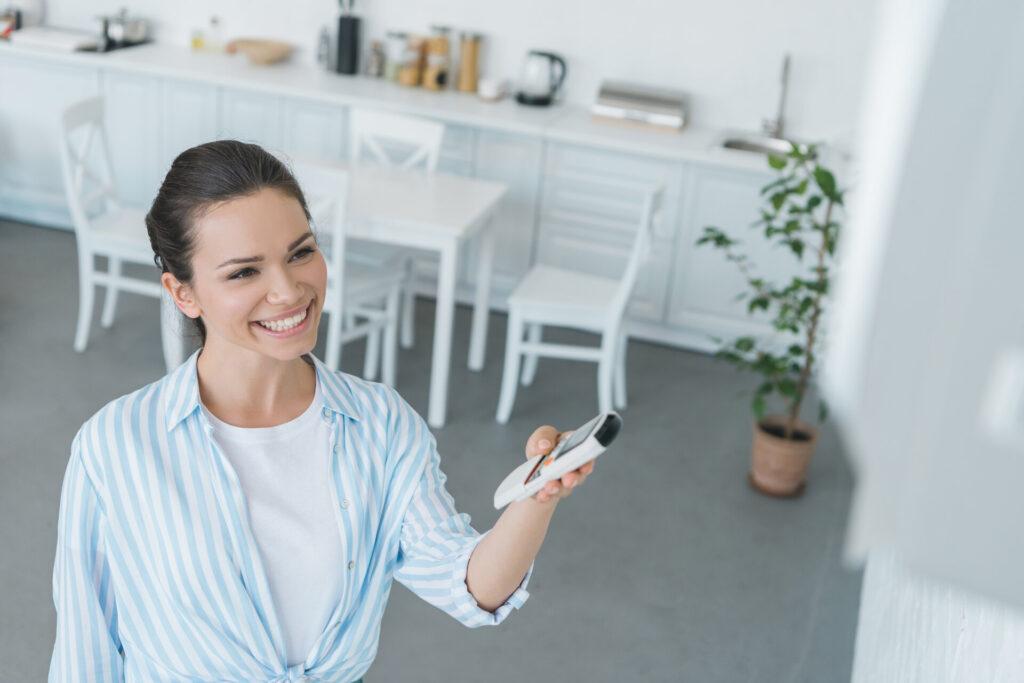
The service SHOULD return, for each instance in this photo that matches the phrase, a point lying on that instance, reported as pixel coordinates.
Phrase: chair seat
(553, 293)
(123, 229)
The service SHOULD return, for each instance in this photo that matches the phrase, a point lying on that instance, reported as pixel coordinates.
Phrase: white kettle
(542, 76)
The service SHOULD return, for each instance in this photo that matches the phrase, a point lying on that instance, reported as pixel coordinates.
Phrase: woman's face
(259, 279)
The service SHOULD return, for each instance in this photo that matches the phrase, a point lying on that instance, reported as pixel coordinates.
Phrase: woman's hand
(541, 441)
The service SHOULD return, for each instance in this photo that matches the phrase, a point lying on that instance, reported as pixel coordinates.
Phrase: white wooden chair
(103, 226)
(565, 298)
(362, 300)
(395, 141)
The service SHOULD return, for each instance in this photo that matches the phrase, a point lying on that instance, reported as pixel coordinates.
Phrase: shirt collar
(181, 391)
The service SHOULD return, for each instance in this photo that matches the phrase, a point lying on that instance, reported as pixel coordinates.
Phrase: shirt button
(326, 413)
(351, 564)
(344, 504)
(337, 448)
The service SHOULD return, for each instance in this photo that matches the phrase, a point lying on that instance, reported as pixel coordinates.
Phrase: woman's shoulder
(129, 409)
(363, 398)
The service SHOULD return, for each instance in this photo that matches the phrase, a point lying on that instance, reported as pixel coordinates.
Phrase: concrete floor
(665, 566)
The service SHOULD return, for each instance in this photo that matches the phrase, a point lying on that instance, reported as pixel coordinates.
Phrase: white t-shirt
(284, 473)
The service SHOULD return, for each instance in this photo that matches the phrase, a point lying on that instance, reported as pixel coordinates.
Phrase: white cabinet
(314, 131)
(590, 212)
(705, 284)
(251, 117)
(35, 94)
(132, 117)
(190, 118)
(514, 160)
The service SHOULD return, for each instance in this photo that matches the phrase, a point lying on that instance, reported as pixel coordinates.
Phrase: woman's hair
(201, 178)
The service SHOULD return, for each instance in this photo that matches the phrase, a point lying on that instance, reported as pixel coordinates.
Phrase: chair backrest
(326, 188)
(394, 140)
(85, 163)
(653, 202)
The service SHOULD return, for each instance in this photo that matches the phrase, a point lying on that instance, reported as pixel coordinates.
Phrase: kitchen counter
(570, 123)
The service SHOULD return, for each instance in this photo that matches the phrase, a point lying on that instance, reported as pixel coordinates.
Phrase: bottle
(323, 49)
(375, 61)
(396, 41)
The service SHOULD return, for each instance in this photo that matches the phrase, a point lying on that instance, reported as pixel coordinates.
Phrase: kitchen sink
(758, 143)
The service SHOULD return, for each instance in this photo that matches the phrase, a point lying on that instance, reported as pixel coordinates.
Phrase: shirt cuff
(469, 612)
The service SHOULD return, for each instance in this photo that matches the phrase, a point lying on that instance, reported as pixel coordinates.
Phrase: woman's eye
(301, 253)
(241, 274)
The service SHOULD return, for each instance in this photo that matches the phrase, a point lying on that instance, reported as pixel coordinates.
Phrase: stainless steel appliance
(641, 104)
(121, 30)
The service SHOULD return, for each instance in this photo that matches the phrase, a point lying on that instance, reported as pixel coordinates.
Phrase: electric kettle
(542, 76)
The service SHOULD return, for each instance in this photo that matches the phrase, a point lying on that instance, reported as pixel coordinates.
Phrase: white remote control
(581, 446)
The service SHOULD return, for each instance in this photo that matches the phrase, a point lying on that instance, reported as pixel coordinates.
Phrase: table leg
(481, 301)
(443, 319)
(171, 335)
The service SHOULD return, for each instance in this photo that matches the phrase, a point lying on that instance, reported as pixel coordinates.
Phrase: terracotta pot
(779, 465)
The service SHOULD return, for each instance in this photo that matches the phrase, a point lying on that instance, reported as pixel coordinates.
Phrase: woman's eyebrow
(257, 259)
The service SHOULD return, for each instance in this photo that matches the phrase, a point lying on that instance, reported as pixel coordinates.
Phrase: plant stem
(812, 330)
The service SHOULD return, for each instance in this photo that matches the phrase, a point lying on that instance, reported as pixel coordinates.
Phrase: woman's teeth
(286, 324)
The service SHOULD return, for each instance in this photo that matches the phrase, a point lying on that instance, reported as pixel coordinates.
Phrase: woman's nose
(285, 289)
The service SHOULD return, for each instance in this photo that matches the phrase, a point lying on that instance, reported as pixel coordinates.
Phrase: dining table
(439, 212)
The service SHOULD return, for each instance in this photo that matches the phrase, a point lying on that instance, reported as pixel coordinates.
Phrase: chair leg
(605, 373)
(333, 339)
(391, 337)
(110, 300)
(86, 291)
(510, 374)
(533, 334)
(371, 361)
(620, 372)
(409, 305)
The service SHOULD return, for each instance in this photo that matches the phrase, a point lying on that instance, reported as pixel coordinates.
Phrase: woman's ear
(182, 295)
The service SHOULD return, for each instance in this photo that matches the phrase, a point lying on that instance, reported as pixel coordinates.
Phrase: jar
(411, 70)
(469, 61)
(395, 51)
(435, 75)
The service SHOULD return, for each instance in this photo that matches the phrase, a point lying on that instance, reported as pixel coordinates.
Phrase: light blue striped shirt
(157, 576)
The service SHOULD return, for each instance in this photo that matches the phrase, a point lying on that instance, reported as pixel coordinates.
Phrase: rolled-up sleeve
(87, 647)
(437, 541)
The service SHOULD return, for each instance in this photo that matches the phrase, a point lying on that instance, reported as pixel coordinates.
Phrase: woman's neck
(247, 389)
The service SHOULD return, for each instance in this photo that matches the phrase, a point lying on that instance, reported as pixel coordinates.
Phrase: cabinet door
(251, 117)
(314, 131)
(133, 116)
(36, 92)
(590, 212)
(514, 160)
(457, 150)
(190, 118)
(705, 284)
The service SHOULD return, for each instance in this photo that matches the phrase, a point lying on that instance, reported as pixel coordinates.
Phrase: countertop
(569, 123)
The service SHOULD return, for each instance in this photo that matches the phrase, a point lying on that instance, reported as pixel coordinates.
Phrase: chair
(362, 300)
(565, 298)
(103, 227)
(395, 141)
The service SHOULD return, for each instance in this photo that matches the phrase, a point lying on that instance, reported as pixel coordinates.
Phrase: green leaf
(757, 405)
(776, 162)
(797, 247)
(744, 343)
(826, 181)
(787, 387)
(761, 302)
(778, 199)
(795, 350)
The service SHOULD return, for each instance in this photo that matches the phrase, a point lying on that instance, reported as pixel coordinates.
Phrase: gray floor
(665, 566)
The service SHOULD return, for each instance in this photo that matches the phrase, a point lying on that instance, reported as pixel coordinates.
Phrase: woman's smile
(288, 324)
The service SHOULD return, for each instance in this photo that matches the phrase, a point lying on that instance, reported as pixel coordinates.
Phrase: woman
(242, 518)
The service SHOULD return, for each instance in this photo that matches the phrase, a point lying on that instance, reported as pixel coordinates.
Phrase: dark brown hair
(199, 179)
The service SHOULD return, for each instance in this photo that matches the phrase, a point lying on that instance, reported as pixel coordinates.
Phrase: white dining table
(437, 212)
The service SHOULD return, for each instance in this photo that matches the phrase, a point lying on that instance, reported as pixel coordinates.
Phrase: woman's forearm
(500, 561)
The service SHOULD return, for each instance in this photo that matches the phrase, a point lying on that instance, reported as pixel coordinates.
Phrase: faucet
(774, 127)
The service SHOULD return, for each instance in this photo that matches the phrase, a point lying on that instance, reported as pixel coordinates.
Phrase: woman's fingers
(542, 440)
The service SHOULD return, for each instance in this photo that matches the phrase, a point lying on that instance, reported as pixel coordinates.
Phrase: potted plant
(799, 214)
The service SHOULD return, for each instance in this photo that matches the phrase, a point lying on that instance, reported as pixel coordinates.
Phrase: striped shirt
(157, 576)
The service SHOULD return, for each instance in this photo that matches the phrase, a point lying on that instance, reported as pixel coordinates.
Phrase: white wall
(726, 53)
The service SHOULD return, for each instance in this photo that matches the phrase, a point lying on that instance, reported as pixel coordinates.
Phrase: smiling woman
(243, 517)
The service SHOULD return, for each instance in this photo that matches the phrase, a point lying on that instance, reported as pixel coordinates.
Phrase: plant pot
(779, 465)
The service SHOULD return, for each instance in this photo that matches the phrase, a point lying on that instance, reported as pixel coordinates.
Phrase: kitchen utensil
(121, 30)
(542, 76)
(260, 51)
(348, 44)
(435, 75)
